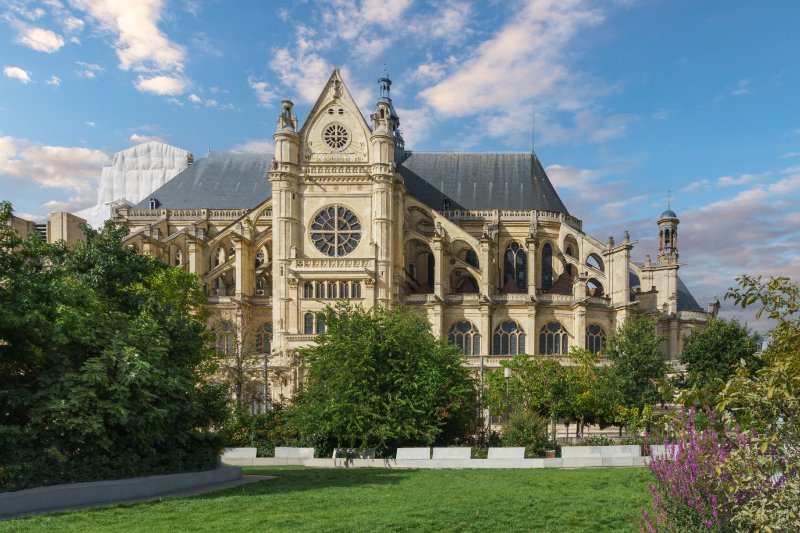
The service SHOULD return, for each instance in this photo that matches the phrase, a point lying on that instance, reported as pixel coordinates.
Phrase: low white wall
(70, 495)
(284, 452)
(239, 453)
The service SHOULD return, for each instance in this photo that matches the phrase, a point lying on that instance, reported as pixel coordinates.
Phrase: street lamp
(507, 376)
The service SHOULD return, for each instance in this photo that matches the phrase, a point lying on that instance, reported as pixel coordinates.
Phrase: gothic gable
(335, 130)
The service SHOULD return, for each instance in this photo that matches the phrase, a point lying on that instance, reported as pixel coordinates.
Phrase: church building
(480, 243)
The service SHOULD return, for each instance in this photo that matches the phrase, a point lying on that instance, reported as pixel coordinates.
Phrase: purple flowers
(689, 492)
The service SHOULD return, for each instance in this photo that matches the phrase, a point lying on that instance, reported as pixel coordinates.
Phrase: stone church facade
(479, 243)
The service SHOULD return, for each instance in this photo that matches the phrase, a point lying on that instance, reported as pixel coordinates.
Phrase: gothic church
(479, 243)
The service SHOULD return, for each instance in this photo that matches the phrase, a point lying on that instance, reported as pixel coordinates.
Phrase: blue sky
(634, 100)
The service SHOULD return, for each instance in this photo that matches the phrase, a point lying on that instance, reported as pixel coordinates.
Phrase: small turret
(385, 117)
(668, 237)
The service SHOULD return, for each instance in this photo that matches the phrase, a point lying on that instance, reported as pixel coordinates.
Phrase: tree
(713, 353)
(536, 385)
(244, 358)
(103, 366)
(638, 364)
(379, 378)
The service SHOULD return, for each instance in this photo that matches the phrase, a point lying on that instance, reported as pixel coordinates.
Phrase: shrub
(528, 429)
(263, 431)
(689, 492)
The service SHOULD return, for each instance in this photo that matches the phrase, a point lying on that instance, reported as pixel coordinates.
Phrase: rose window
(336, 136)
(336, 231)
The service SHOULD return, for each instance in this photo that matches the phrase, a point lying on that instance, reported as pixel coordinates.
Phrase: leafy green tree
(711, 354)
(378, 378)
(638, 364)
(536, 385)
(103, 366)
(765, 466)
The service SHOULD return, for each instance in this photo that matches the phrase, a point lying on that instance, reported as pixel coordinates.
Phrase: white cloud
(265, 94)
(41, 40)
(699, 185)
(415, 124)
(571, 177)
(741, 88)
(729, 181)
(304, 72)
(72, 25)
(139, 44)
(510, 63)
(17, 73)
(162, 85)
(72, 168)
(790, 155)
(257, 146)
(54, 81)
(88, 70)
(193, 98)
(427, 72)
(137, 138)
(90, 124)
(211, 103)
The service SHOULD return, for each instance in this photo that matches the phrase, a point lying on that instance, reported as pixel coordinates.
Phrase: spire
(385, 84)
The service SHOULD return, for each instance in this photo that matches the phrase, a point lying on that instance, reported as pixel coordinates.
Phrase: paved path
(202, 489)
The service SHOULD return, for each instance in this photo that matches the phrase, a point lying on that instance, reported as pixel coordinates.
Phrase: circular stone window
(336, 231)
(336, 136)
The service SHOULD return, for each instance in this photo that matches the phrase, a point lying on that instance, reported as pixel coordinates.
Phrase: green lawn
(305, 499)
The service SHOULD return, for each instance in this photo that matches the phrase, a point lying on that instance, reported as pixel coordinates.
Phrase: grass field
(304, 499)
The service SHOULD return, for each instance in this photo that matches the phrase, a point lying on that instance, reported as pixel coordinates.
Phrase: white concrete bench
(459, 453)
(239, 453)
(578, 456)
(413, 454)
(285, 452)
(507, 453)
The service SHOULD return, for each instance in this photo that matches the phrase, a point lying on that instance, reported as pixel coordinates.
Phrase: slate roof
(480, 181)
(223, 180)
(686, 301)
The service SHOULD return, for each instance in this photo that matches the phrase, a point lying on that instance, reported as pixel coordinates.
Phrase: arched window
(570, 251)
(308, 323)
(178, 258)
(514, 265)
(547, 266)
(264, 338)
(594, 261)
(464, 335)
(259, 258)
(471, 258)
(308, 290)
(356, 290)
(595, 338)
(344, 289)
(509, 339)
(553, 339)
(332, 285)
(320, 323)
(219, 257)
(319, 290)
(153, 203)
(225, 338)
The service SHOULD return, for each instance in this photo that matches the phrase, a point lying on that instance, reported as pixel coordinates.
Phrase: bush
(263, 431)
(596, 440)
(528, 429)
(689, 492)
